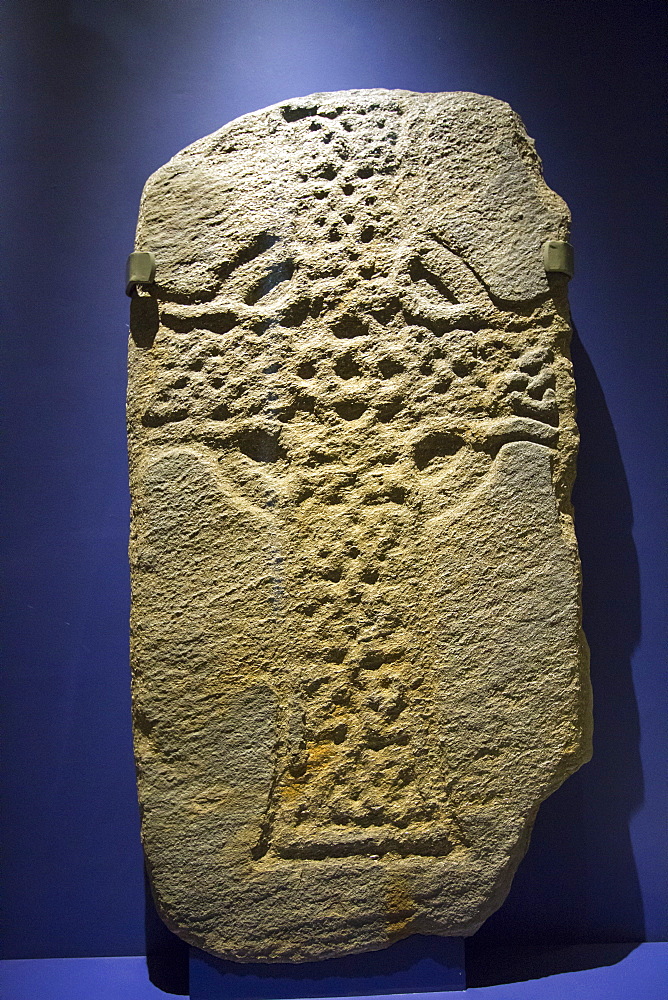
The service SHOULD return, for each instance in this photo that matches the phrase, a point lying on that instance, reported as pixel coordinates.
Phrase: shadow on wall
(166, 954)
(578, 884)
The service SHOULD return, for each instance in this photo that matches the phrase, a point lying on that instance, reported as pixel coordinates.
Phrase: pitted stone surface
(358, 661)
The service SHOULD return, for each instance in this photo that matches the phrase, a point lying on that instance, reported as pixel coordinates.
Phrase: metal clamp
(558, 257)
(140, 270)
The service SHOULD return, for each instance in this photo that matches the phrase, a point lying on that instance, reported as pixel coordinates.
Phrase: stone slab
(357, 652)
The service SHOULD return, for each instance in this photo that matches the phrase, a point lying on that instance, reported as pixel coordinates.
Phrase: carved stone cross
(358, 660)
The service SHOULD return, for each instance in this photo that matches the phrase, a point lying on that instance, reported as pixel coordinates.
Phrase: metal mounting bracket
(558, 257)
(140, 270)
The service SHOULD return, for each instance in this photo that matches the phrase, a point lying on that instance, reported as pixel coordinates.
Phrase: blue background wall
(102, 93)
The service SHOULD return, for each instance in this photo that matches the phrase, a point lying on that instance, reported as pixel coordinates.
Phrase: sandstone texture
(358, 660)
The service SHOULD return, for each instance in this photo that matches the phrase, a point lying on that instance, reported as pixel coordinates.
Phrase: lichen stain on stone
(400, 908)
